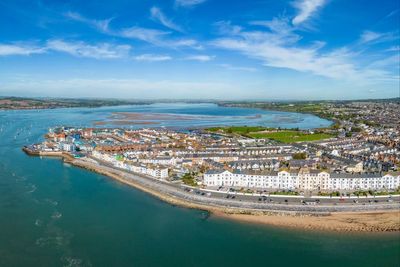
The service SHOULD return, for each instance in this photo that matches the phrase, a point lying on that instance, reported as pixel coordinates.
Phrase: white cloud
(306, 8)
(230, 67)
(393, 49)
(201, 58)
(188, 3)
(158, 15)
(98, 51)
(152, 36)
(157, 37)
(152, 58)
(278, 47)
(368, 36)
(143, 34)
(101, 25)
(20, 49)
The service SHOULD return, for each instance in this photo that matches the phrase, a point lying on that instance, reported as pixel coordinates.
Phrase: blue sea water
(52, 214)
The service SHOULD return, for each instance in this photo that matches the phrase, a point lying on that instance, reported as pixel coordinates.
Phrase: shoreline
(387, 220)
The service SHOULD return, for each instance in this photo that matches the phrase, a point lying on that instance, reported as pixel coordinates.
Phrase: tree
(301, 155)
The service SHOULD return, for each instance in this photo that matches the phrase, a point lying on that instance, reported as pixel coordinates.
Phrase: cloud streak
(81, 49)
(153, 36)
(188, 3)
(277, 46)
(158, 15)
(100, 25)
(20, 50)
(201, 58)
(152, 58)
(238, 68)
(306, 8)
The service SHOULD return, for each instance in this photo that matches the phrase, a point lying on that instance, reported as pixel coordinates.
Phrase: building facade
(302, 180)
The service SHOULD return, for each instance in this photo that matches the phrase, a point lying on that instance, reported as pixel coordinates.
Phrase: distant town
(359, 155)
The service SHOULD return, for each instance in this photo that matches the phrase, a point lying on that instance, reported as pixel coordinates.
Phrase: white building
(305, 180)
(156, 171)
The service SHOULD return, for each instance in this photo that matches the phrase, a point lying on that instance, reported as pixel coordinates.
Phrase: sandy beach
(376, 221)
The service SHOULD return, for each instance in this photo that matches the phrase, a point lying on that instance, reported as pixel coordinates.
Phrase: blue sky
(209, 49)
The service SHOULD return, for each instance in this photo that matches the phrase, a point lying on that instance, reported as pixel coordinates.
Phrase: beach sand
(376, 221)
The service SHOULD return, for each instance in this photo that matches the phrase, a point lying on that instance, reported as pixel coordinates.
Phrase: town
(361, 158)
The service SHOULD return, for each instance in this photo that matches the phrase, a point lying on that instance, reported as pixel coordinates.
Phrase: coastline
(340, 221)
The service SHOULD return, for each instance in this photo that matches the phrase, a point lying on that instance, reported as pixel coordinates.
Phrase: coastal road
(220, 199)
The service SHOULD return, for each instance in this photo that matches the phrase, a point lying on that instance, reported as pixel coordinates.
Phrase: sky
(200, 49)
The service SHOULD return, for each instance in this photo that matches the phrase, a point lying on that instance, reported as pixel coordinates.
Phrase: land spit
(342, 218)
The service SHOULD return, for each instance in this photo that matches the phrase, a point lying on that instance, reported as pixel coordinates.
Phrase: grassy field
(291, 136)
(237, 129)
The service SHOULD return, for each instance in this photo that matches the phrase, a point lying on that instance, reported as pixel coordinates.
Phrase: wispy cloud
(144, 34)
(20, 49)
(152, 36)
(158, 15)
(152, 58)
(157, 37)
(372, 37)
(100, 25)
(393, 49)
(306, 8)
(201, 58)
(188, 3)
(278, 47)
(238, 68)
(368, 36)
(82, 49)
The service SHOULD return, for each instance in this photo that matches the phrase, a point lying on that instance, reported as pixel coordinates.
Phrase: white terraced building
(303, 180)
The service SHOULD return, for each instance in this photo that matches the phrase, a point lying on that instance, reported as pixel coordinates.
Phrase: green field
(291, 136)
(237, 129)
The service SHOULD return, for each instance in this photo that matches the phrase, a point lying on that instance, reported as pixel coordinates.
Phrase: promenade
(367, 215)
(177, 194)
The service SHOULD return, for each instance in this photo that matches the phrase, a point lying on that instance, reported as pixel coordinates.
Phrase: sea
(54, 214)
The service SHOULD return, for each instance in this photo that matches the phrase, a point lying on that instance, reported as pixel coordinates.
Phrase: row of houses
(302, 180)
(156, 171)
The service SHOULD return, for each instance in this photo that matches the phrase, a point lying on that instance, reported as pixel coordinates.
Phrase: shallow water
(57, 215)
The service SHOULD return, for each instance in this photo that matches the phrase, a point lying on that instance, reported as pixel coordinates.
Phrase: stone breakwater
(371, 218)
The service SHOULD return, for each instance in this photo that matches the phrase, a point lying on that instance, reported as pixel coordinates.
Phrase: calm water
(55, 215)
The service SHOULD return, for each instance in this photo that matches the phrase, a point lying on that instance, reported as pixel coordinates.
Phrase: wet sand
(154, 116)
(122, 122)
